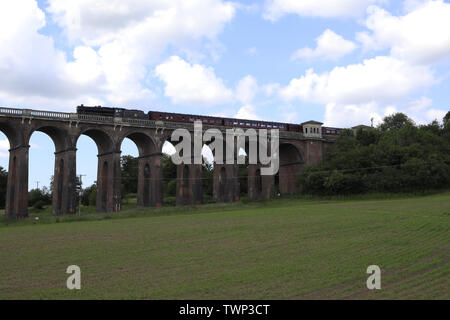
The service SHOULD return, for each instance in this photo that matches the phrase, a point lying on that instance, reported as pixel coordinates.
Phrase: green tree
(396, 156)
(396, 121)
(3, 187)
(129, 167)
(89, 196)
(169, 176)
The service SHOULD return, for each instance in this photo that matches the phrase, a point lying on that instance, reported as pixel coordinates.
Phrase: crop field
(279, 249)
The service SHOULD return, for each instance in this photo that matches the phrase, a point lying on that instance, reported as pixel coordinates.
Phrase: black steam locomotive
(112, 112)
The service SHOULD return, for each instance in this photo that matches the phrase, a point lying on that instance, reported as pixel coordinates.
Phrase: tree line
(396, 156)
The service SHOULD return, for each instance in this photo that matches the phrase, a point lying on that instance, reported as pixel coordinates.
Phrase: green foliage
(39, 205)
(396, 121)
(207, 182)
(170, 201)
(169, 176)
(89, 196)
(3, 186)
(398, 156)
(35, 195)
(129, 167)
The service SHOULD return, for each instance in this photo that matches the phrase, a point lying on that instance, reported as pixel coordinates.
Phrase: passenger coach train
(207, 120)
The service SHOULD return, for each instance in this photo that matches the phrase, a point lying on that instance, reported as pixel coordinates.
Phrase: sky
(342, 62)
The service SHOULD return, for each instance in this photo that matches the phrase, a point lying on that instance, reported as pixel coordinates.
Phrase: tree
(396, 121)
(129, 167)
(89, 196)
(397, 156)
(3, 187)
(169, 176)
(39, 195)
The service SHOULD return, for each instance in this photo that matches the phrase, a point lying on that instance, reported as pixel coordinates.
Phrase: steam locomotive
(206, 120)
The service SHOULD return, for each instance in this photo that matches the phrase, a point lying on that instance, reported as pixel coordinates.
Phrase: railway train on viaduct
(189, 118)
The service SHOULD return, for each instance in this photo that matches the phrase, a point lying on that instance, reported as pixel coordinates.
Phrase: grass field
(280, 249)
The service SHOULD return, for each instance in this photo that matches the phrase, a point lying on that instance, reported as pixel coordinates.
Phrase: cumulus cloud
(246, 89)
(116, 44)
(349, 115)
(420, 36)
(358, 92)
(382, 78)
(275, 9)
(192, 83)
(158, 22)
(247, 112)
(330, 46)
(31, 66)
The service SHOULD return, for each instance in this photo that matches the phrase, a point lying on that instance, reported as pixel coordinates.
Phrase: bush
(88, 195)
(170, 201)
(39, 205)
(36, 195)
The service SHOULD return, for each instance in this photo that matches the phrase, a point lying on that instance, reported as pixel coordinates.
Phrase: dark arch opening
(291, 163)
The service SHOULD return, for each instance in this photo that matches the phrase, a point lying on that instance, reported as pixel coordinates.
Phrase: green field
(280, 249)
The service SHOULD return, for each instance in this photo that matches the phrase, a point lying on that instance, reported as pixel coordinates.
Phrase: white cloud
(192, 84)
(117, 43)
(436, 114)
(420, 36)
(35, 69)
(275, 9)
(159, 22)
(330, 46)
(247, 112)
(382, 79)
(342, 115)
(246, 89)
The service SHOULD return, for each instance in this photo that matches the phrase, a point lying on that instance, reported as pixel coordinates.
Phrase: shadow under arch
(291, 163)
(149, 189)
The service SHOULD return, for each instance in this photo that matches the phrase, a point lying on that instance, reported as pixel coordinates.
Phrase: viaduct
(297, 149)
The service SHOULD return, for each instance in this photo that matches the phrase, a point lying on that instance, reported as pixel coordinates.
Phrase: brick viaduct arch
(295, 151)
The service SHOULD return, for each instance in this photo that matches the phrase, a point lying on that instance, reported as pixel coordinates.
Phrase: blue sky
(339, 62)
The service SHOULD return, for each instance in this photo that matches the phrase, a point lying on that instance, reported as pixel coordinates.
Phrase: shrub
(39, 205)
